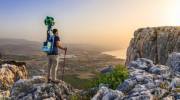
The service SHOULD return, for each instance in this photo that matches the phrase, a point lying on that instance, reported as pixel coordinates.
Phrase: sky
(98, 22)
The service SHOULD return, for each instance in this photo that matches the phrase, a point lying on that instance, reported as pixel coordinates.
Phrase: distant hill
(26, 47)
(19, 47)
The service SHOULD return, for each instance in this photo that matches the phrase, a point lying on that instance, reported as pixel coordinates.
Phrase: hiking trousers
(53, 63)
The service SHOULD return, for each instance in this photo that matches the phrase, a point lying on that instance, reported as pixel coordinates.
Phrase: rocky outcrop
(147, 81)
(105, 93)
(10, 72)
(154, 43)
(37, 88)
(15, 85)
(174, 63)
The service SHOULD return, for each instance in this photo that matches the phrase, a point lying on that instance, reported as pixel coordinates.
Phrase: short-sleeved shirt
(55, 47)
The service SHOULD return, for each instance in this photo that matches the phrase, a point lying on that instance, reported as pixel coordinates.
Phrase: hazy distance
(109, 23)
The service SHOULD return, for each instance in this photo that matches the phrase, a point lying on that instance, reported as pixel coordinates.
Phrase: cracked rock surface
(147, 81)
(154, 43)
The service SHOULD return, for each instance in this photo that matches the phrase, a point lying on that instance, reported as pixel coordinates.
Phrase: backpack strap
(52, 37)
(49, 31)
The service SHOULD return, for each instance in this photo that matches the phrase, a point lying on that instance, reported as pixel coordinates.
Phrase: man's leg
(55, 66)
(49, 67)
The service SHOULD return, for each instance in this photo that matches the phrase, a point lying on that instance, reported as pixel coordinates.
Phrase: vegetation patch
(113, 79)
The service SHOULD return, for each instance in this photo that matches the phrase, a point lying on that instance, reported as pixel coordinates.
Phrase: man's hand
(65, 48)
(58, 43)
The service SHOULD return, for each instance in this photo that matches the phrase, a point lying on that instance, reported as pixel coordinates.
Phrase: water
(119, 54)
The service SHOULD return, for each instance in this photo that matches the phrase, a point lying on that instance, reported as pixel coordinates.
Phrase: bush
(113, 79)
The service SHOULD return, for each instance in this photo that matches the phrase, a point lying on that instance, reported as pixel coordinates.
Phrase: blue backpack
(49, 44)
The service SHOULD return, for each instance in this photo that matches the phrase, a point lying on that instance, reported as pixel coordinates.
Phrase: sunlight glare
(174, 13)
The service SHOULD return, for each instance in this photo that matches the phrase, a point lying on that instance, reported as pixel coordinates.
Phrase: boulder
(175, 83)
(37, 88)
(10, 72)
(154, 43)
(105, 93)
(160, 70)
(174, 63)
(141, 63)
(142, 95)
(127, 85)
(146, 66)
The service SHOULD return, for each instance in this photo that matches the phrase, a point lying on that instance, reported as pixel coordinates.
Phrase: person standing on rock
(51, 47)
(53, 57)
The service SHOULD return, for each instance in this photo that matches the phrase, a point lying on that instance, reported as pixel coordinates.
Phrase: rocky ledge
(10, 72)
(37, 88)
(154, 43)
(15, 84)
(147, 81)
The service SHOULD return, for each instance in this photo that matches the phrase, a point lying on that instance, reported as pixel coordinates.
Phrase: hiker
(53, 57)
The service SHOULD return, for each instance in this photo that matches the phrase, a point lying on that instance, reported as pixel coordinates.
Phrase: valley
(83, 62)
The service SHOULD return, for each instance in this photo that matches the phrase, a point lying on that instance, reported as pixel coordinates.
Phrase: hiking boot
(49, 80)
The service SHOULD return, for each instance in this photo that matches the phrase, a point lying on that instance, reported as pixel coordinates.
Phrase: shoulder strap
(52, 39)
(49, 31)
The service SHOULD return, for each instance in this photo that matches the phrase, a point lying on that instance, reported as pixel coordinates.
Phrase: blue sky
(21, 17)
(102, 22)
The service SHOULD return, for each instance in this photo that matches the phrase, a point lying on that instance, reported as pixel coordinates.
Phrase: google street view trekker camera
(48, 44)
(49, 22)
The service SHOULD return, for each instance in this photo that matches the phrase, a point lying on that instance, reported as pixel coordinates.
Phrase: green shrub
(113, 79)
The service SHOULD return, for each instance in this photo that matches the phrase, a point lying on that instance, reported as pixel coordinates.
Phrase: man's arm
(58, 43)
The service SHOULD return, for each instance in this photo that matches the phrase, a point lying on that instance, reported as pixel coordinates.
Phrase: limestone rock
(105, 93)
(4, 95)
(147, 81)
(174, 63)
(154, 43)
(160, 70)
(175, 85)
(141, 63)
(153, 61)
(127, 85)
(10, 72)
(37, 88)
